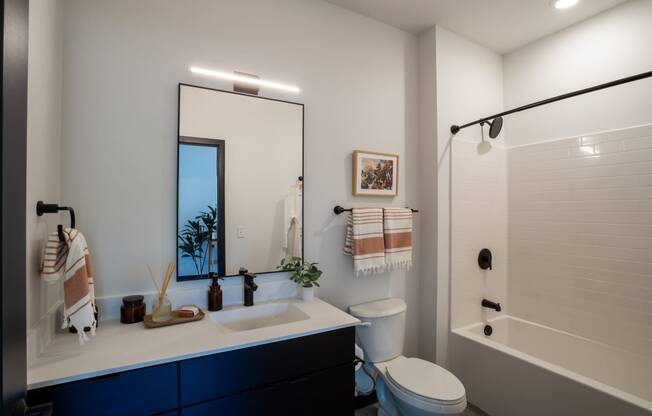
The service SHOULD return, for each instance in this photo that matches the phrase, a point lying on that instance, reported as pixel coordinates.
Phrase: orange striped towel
(397, 228)
(71, 260)
(364, 240)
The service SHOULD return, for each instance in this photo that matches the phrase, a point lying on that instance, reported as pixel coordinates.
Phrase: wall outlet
(240, 231)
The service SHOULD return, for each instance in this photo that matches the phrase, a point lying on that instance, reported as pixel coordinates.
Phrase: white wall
(123, 60)
(428, 191)
(43, 164)
(611, 45)
(468, 85)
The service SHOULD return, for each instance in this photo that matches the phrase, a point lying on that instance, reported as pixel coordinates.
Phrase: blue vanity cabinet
(218, 375)
(309, 375)
(269, 401)
(324, 393)
(146, 391)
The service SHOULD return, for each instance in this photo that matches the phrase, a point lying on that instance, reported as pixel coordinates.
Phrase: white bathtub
(525, 368)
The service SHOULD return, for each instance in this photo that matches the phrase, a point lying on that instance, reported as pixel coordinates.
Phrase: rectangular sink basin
(258, 316)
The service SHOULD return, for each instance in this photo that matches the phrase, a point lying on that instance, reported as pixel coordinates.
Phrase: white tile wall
(580, 236)
(479, 220)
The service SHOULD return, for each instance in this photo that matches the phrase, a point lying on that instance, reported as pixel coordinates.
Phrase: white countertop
(120, 347)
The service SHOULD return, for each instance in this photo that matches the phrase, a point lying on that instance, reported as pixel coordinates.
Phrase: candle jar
(161, 312)
(132, 309)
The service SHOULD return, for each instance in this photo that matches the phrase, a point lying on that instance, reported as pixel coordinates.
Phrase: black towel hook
(43, 208)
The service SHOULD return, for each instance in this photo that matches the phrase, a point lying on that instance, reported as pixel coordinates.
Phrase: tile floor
(372, 410)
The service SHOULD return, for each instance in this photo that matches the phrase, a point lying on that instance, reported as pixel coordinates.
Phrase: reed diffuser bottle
(162, 307)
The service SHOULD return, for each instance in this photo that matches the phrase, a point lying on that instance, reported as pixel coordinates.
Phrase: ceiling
(501, 25)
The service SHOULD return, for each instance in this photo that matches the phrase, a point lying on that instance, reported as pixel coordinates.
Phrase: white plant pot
(308, 294)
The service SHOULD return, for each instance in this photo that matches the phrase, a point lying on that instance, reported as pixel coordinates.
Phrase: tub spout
(491, 305)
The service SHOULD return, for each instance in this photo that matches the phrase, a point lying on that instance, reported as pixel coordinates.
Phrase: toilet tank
(382, 334)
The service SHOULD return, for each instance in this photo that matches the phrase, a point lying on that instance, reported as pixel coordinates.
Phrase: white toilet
(405, 386)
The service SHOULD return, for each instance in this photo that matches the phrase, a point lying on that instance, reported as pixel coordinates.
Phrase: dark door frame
(13, 125)
(221, 231)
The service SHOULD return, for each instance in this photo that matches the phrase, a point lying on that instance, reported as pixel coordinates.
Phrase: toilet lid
(426, 379)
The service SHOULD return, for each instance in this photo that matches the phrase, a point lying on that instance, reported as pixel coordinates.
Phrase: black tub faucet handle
(485, 259)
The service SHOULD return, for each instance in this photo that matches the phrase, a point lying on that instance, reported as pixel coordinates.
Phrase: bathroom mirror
(239, 182)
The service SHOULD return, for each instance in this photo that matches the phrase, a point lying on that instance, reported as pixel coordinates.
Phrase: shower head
(494, 126)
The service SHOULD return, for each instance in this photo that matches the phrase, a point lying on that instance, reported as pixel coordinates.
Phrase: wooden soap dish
(176, 319)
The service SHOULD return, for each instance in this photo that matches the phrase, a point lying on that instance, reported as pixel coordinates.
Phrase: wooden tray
(176, 319)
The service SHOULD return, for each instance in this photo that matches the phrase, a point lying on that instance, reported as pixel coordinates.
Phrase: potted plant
(303, 273)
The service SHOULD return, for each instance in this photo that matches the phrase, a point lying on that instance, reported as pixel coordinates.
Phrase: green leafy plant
(304, 273)
(195, 238)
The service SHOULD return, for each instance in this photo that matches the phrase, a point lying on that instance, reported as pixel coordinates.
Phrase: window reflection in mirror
(200, 230)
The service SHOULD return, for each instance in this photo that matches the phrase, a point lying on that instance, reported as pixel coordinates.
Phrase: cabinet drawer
(219, 375)
(231, 372)
(269, 401)
(320, 351)
(328, 392)
(140, 392)
(325, 393)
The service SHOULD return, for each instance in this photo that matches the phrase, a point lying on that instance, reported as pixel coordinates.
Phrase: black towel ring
(43, 208)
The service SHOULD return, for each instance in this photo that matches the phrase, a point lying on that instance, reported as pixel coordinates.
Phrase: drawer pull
(105, 377)
(264, 387)
(298, 380)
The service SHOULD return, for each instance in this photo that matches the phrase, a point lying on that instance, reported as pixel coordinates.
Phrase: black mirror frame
(222, 236)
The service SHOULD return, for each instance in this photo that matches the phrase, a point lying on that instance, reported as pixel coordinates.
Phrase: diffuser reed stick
(166, 281)
(151, 276)
(164, 286)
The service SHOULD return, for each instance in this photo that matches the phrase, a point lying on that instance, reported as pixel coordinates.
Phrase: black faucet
(491, 305)
(249, 286)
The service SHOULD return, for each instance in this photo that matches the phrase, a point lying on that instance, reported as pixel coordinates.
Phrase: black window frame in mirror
(221, 229)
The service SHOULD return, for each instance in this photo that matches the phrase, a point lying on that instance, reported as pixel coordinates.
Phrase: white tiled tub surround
(479, 220)
(576, 337)
(580, 236)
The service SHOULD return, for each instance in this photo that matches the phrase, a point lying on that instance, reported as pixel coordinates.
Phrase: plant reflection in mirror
(197, 237)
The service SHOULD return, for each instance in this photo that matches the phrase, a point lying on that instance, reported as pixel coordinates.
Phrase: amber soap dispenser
(214, 294)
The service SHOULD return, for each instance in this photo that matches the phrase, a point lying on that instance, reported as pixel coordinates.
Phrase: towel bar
(339, 209)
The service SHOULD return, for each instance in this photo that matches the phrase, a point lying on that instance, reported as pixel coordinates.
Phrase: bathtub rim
(466, 332)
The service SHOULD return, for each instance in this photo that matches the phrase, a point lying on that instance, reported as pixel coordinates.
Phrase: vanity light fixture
(244, 79)
(564, 4)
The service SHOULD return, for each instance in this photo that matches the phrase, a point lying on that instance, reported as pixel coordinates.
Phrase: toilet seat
(425, 384)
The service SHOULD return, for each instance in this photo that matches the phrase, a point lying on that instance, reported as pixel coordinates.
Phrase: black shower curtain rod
(456, 128)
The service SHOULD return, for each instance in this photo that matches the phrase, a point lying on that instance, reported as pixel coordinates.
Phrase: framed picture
(375, 174)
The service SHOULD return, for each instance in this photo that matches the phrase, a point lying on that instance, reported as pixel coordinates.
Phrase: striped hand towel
(364, 240)
(397, 228)
(71, 260)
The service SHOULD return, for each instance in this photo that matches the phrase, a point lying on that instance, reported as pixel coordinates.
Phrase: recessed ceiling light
(244, 79)
(565, 4)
